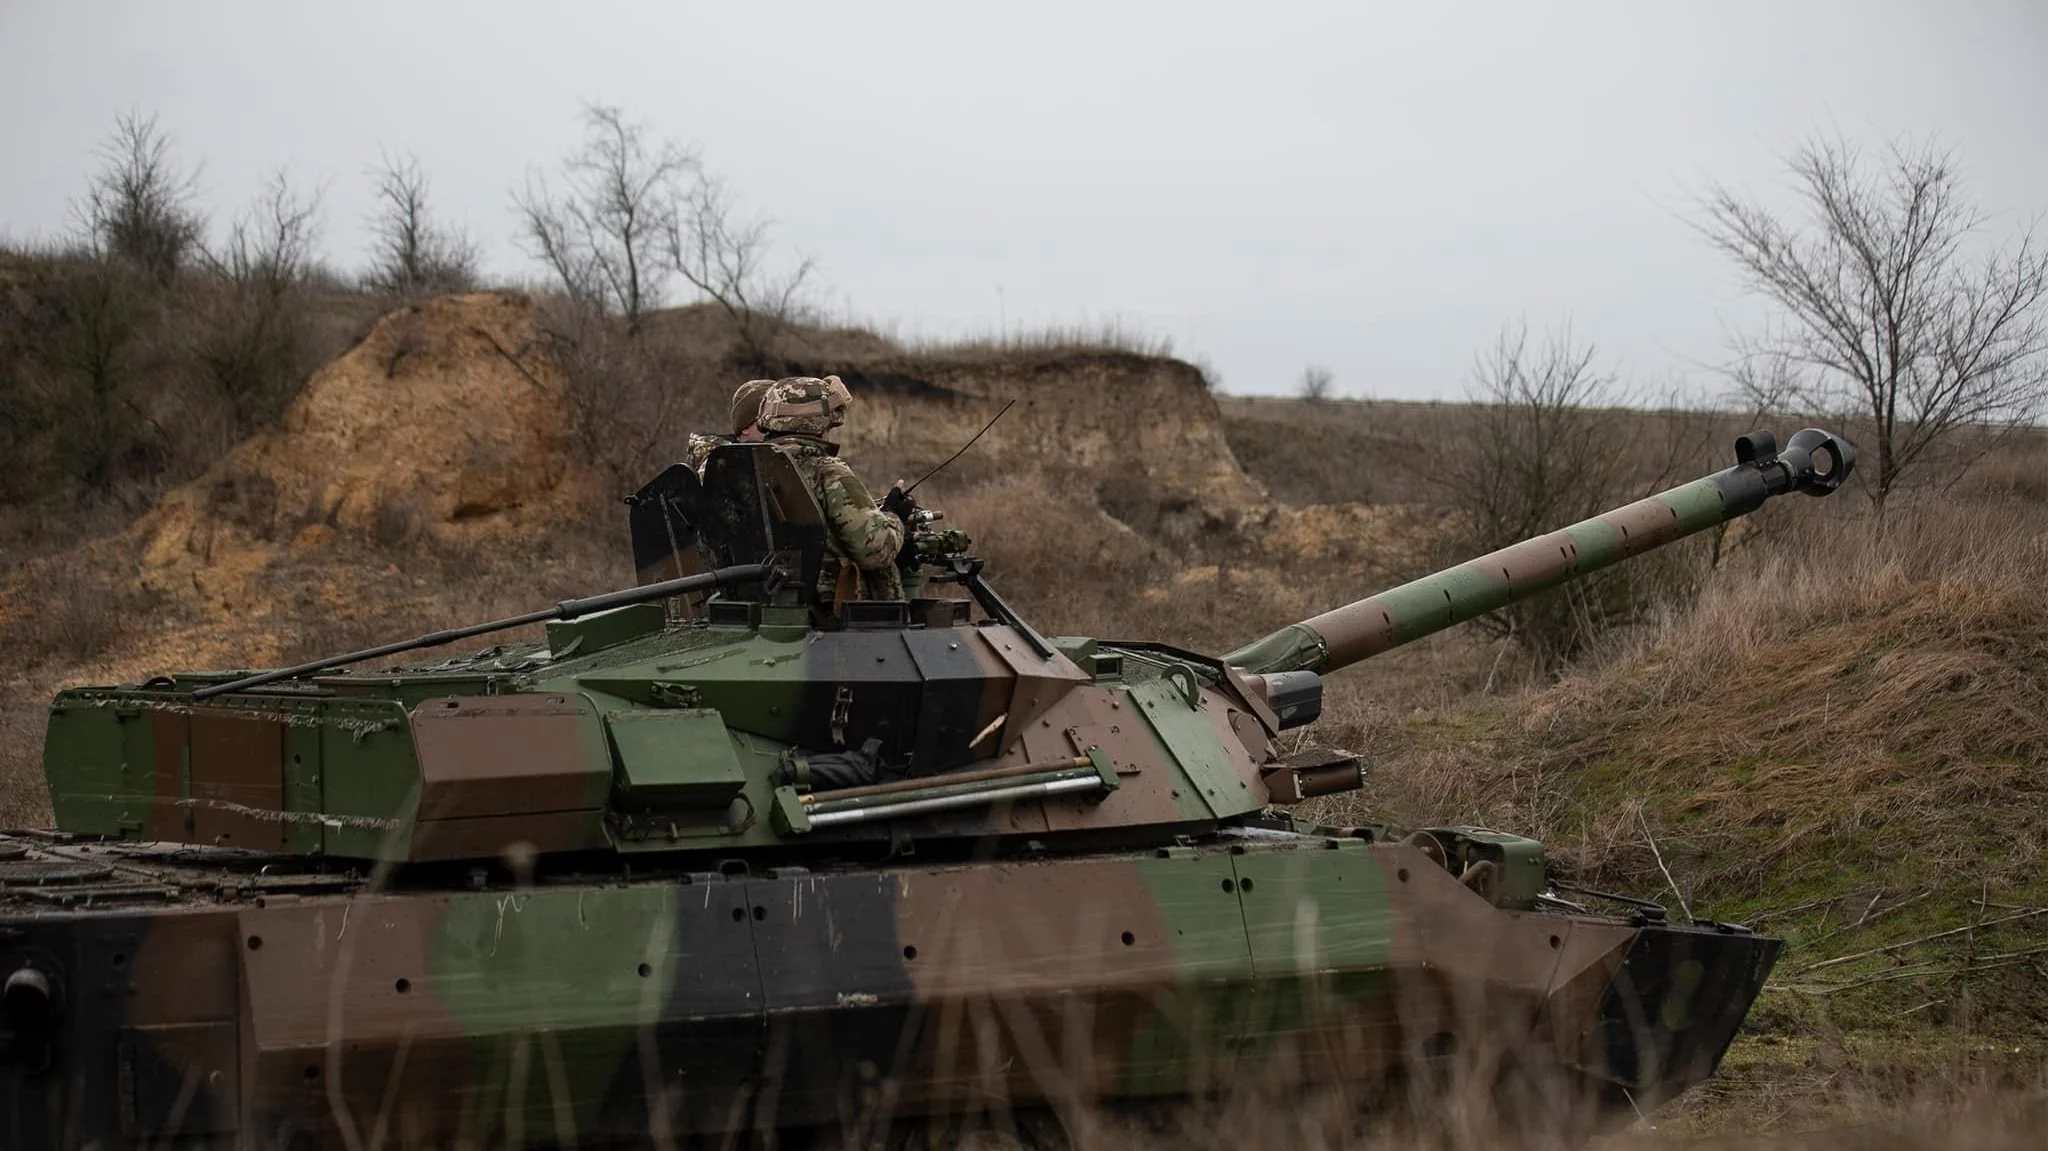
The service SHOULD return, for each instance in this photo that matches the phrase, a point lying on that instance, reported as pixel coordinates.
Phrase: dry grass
(1053, 340)
(1897, 1109)
(1842, 740)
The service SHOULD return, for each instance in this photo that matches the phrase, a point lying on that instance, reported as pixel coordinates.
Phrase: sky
(1374, 187)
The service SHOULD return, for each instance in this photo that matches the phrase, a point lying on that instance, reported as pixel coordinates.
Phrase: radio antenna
(963, 448)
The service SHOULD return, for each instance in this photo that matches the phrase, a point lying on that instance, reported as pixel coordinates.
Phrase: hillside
(1841, 740)
(430, 474)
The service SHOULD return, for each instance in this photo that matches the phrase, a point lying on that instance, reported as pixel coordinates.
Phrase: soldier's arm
(866, 534)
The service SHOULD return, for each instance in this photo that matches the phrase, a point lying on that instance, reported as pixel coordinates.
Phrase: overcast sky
(1375, 187)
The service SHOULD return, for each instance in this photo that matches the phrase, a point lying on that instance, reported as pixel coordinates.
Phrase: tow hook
(28, 1016)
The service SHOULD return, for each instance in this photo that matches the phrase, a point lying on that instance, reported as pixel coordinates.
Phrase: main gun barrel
(1814, 462)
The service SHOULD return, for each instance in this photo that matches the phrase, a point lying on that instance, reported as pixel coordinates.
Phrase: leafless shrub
(104, 311)
(111, 388)
(601, 234)
(70, 608)
(77, 413)
(730, 261)
(1891, 313)
(1543, 445)
(138, 207)
(71, 389)
(82, 624)
(254, 343)
(632, 398)
(1315, 383)
(413, 256)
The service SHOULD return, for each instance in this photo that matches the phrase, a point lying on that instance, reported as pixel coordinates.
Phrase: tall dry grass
(1834, 679)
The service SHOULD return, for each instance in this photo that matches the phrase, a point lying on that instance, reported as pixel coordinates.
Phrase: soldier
(796, 416)
(746, 426)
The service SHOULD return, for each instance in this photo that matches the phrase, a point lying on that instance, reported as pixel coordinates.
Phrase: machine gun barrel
(566, 609)
(1814, 462)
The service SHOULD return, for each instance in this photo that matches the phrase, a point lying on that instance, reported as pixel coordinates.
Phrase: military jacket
(700, 450)
(858, 532)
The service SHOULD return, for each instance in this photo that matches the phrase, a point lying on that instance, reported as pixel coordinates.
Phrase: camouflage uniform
(746, 412)
(797, 414)
(700, 450)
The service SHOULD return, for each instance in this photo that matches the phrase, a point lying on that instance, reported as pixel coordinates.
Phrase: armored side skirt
(587, 1011)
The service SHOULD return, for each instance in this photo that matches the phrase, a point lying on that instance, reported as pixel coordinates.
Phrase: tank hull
(199, 999)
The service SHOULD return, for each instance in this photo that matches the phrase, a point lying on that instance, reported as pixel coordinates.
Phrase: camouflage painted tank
(707, 859)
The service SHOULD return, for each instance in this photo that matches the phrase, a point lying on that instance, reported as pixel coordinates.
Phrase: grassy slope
(1844, 743)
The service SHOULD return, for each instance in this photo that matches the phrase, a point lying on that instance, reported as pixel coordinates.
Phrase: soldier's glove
(899, 504)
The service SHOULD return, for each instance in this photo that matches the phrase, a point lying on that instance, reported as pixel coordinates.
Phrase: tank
(717, 857)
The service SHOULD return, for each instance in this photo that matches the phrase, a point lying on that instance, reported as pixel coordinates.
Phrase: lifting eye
(26, 997)
(28, 1013)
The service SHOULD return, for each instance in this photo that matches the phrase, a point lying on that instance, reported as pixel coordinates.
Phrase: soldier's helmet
(746, 403)
(804, 406)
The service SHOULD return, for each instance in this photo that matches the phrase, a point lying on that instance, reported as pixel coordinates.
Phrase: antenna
(963, 448)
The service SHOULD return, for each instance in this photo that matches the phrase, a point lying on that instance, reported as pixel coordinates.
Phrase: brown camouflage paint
(431, 1018)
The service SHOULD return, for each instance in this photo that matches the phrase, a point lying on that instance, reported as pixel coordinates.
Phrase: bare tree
(1540, 449)
(1545, 443)
(1315, 383)
(271, 246)
(254, 343)
(731, 261)
(628, 396)
(1893, 314)
(414, 256)
(138, 206)
(601, 235)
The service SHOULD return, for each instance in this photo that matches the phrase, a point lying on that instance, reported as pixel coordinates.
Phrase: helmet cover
(746, 404)
(804, 405)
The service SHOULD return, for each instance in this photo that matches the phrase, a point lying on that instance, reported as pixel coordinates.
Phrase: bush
(70, 609)
(113, 387)
(633, 396)
(138, 207)
(1545, 444)
(254, 341)
(414, 255)
(83, 400)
